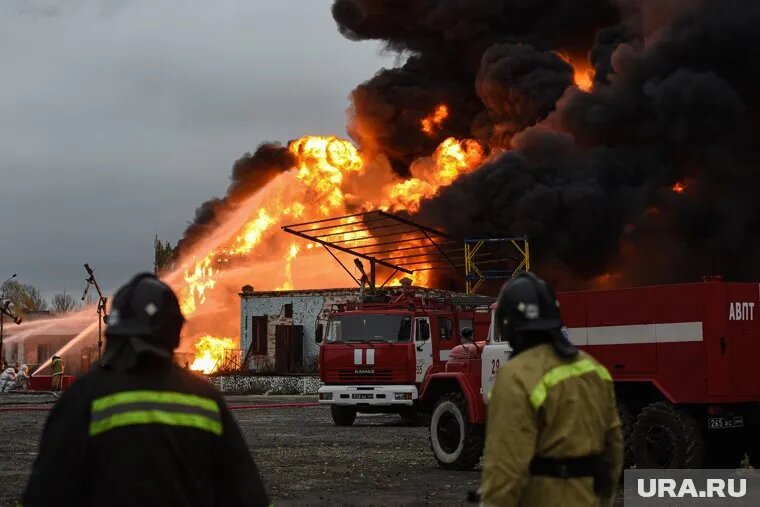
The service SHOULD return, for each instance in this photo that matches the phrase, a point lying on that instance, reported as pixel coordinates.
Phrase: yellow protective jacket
(543, 405)
(57, 367)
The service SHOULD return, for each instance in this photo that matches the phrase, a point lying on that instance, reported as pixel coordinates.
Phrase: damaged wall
(308, 307)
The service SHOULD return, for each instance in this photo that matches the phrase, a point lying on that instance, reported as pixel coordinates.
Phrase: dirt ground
(304, 459)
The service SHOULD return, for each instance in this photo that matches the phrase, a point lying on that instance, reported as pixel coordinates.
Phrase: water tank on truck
(683, 359)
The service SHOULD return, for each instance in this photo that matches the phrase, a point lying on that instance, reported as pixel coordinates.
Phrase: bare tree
(63, 302)
(26, 298)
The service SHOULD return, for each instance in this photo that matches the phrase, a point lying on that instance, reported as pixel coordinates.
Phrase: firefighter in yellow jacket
(553, 435)
(57, 380)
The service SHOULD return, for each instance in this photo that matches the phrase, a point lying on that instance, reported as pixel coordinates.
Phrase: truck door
(446, 337)
(495, 354)
(423, 346)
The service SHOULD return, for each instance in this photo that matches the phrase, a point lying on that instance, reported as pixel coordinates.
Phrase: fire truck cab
(375, 355)
(683, 358)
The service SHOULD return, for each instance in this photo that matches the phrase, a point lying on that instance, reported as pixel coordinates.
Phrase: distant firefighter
(22, 378)
(553, 435)
(140, 430)
(57, 365)
(7, 379)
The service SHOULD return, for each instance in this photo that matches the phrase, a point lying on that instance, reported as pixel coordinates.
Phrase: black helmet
(147, 312)
(527, 313)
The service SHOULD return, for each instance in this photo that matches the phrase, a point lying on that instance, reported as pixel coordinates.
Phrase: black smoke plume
(445, 43)
(249, 173)
(651, 177)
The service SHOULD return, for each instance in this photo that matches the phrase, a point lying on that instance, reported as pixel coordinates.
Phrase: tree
(26, 298)
(163, 256)
(64, 302)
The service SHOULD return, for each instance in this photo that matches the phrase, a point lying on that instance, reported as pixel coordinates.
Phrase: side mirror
(467, 333)
(320, 331)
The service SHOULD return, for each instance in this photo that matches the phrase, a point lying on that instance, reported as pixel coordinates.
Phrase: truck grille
(378, 376)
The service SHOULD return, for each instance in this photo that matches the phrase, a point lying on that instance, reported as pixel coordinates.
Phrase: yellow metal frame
(471, 270)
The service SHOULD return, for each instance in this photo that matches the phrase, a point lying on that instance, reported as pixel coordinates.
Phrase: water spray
(6, 309)
(101, 309)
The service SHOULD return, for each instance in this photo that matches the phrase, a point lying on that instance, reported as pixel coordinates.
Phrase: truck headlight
(325, 396)
(402, 396)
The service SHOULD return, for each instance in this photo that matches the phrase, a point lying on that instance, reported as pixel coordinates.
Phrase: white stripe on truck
(639, 333)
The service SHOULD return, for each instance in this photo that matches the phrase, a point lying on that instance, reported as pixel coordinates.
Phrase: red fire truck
(684, 359)
(377, 353)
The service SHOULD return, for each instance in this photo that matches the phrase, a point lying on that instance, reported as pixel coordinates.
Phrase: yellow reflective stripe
(564, 372)
(155, 417)
(126, 397)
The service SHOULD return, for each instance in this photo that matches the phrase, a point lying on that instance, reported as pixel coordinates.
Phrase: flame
(330, 177)
(679, 187)
(451, 159)
(418, 278)
(583, 72)
(210, 353)
(606, 281)
(322, 163)
(583, 76)
(289, 258)
(432, 122)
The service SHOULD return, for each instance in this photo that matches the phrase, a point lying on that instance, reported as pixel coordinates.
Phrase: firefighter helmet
(527, 311)
(146, 311)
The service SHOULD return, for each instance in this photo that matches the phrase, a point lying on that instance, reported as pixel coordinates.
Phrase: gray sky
(117, 121)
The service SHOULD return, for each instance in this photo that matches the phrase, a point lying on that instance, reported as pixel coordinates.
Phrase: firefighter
(7, 379)
(140, 430)
(22, 378)
(553, 435)
(57, 382)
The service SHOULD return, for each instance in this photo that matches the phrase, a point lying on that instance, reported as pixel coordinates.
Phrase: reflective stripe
(155, 397)
(129, 408)
(564, 372)
(155, 417)
(163, 407)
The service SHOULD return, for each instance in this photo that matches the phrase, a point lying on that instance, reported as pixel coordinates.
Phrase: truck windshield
(370, 327)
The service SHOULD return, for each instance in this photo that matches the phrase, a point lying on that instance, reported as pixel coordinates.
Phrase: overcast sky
(117, 121)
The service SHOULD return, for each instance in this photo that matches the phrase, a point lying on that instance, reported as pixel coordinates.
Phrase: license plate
(362, 396)
(725, 422)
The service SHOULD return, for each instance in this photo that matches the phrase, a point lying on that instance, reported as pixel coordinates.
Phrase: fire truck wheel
(456, 444)
(627, 420)
(343, 416)
(667, 437)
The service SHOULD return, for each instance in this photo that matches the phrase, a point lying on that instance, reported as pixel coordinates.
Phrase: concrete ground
(304, 459)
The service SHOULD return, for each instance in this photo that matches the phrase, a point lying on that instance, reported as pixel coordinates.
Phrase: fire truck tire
(456, 444)
(627, 420)
(667, 437)
(343, 416)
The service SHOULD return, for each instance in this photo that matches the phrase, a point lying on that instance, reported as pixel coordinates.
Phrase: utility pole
(101, 309)
(4, 309)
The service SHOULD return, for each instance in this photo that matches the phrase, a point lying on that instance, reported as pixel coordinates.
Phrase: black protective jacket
(150, 435)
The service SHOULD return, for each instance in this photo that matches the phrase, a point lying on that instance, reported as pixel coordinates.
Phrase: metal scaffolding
(398, 245)
(474, 272)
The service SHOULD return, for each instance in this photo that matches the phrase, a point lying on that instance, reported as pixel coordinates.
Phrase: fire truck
(684, 359)
(375, 354)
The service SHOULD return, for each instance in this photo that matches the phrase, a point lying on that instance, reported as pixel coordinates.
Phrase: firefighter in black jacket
(140, 430)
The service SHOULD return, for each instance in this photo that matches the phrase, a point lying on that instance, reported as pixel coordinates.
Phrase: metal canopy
(391, 242)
